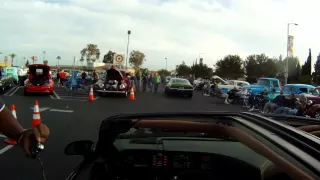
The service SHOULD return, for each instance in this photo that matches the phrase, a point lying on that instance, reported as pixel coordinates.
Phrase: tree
(306, 70)
(230, 67)
(12, 57)
(136, 59)
(164, 72)
(317, 70)
(91, 52)
(183, 70)
(108, 58)
(260, 65)
(58, 60)
(27, 63)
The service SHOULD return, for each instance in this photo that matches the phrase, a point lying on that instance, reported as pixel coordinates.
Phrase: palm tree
(12, 57)
(58, 60)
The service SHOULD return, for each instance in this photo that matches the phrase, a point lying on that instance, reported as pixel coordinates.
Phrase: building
(3, 64)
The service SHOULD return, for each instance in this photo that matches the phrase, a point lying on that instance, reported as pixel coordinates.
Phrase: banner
(290, 46)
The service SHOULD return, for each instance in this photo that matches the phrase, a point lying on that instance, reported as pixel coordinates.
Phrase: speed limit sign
(118, 59)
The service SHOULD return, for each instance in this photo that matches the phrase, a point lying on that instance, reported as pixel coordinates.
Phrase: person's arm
(9, 126)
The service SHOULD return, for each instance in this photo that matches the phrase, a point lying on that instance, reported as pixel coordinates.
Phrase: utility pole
(129, 32)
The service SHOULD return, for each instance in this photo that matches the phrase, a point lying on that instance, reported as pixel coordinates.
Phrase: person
(95, 76)
(138, 79)
(58, 78)
(10, 127)
(156, 81)
(256, 101)
(144, 82)
(220, 94)
(63, 78)
(277, 102)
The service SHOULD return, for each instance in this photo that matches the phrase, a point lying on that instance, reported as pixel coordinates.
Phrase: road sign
(118, 59)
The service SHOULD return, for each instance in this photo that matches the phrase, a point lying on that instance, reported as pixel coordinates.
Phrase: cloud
(176, 29)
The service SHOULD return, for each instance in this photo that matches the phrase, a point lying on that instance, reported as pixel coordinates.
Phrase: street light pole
(129, 32)
(287, 67)
(44, 55)
(166, 63)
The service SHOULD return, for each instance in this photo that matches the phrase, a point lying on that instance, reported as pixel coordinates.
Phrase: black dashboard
(186, 160)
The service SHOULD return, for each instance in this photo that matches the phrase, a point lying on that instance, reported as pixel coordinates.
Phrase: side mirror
(83, 147)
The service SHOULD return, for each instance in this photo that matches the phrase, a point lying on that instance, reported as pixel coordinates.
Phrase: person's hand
(31, 136)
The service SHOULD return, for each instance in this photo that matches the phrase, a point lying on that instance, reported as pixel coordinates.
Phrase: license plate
(181, 88)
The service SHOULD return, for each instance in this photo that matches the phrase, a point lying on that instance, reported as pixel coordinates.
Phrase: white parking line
(14, 91)
(6, 94)
(5, 149)
(58, 97)
(61, 110)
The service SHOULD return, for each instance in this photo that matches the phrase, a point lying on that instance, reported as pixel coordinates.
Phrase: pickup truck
(262, 83)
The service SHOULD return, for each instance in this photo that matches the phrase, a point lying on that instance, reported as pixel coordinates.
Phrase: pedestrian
(138, 79)
(58, 78)
(95, 76)
(156, 82)
(150, 79)
(144, 82)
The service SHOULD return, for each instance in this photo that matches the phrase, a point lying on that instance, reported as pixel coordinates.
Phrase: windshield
(179, 81)
(263, 82)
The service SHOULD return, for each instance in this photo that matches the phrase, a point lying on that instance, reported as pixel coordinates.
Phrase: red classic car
(116, 82)
(39, 80)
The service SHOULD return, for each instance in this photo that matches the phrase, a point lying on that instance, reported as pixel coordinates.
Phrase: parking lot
(72, 117)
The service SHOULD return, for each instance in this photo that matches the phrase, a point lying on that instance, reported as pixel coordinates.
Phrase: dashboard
(199, 160)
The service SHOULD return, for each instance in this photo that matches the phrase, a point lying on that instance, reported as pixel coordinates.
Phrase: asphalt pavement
(71, 118)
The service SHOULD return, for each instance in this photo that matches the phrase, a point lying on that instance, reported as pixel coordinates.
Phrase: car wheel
(26, 93)
(126, 94)
(190, 95)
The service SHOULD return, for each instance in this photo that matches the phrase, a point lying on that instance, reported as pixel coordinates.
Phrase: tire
(190, 95)
(26, 93)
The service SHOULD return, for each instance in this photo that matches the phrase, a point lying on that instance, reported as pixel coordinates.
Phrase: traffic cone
(131, 97)
(13, 110)
(36, 115)
(91, 96)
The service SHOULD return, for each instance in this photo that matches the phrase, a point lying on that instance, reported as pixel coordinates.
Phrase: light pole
(286, 75)
(44, 55)
(129, 32)
(166, 63)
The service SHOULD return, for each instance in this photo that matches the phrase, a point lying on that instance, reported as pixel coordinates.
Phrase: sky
(179, 30)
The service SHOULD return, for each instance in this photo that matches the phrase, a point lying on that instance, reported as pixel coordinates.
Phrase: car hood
(114, 74)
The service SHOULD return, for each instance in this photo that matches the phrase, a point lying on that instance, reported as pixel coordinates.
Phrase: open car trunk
(39, 74)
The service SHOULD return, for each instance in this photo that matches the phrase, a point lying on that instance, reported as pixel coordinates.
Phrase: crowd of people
(263, 102)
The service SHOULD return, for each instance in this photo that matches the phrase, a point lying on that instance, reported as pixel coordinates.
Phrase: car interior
(176, 149)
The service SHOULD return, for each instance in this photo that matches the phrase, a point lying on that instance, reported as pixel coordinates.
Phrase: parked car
(39, 80)
(13, 72)
(311, 92)
(116, 82)
(179, 86)
(6, 82)
(269, 83)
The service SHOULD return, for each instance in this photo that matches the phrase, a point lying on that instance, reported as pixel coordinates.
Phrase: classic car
(13, 72)
(311, 92)
(116, 82)
(223, 84)
(179, 86)
(238, 83)
(39, 80)
(269, 83)
(6, 82)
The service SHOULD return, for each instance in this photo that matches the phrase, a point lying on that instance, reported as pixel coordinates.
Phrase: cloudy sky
(177, 29)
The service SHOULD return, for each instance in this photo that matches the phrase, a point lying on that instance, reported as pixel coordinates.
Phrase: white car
(224, 84)
(238, 83)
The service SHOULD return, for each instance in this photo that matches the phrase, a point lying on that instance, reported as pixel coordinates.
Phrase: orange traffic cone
(36, 115)
(131, 97)
(11, 141)
(91, 96)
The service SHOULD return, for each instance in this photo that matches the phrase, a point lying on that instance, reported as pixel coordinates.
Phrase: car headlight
(122, 86)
